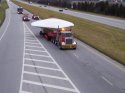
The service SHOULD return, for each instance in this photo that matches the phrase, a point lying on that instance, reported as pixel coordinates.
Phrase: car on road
(26, 17)
(30, 2)
(66, 8)
(35, 17)
(60, 10)
(20, 10)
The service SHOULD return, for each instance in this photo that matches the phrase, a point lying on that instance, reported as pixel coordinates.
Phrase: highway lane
(120, 23)
(89, 70)
(11, 55)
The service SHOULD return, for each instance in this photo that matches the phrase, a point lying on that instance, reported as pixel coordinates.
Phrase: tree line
(102, 8)
(99, 7)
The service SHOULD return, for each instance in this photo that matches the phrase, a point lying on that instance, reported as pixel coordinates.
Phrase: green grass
(3, 7)
(107, 39)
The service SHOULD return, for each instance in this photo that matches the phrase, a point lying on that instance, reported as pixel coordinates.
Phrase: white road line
(106, 80)
(39, 60)
(33, 46)
(6, 26)
(55, 62)
(44, 75)
(36, 55)
(35, 50)
(28, 35)
(40, 67)
(25, 92)
(21, 84)
(50, 86)
(31, 40)
(31, 43)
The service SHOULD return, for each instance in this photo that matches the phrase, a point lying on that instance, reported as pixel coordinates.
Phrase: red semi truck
(57, 31)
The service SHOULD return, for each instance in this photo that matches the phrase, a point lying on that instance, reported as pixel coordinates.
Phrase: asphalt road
(120, 23)
(30, 64)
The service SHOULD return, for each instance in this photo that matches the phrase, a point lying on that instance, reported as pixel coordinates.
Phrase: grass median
(3, 7)
(109, 40)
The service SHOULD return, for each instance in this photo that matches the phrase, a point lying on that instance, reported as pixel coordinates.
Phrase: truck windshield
(20, 9)
(66, 34)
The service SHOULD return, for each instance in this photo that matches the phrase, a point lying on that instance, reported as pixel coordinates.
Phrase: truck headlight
(63, 43)
(74, 43)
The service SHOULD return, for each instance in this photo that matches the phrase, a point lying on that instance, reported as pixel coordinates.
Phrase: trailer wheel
(59, 46)
(40, 33)
(75, 48)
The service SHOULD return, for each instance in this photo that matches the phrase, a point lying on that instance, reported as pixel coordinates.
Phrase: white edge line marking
(40, 67)
(50, 86)
(55, 62)
(36, 55)
(39, 60)
(25, 92)
(106, 80)
(35, 50)
(23, 62)
(6, 26)
(44, 75)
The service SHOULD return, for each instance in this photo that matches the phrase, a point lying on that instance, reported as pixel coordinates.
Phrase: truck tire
(59, 46)
(49, 38)
(40, 33)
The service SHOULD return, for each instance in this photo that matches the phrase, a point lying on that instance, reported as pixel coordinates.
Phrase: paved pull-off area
(41, 73)
(31, 64)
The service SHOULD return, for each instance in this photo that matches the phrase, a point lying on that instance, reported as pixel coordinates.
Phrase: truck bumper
(68, 46)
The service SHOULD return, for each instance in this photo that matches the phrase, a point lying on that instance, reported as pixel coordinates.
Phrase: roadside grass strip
(31, 68)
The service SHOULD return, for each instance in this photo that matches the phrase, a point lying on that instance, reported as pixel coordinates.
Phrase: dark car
(26, 18)
(60, 10)
(20, 10)
(35, 17)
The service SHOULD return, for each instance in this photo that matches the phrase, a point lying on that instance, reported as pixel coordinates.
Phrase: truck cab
(66, 40)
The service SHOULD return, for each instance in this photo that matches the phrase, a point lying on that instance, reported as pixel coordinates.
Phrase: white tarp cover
(52, 23)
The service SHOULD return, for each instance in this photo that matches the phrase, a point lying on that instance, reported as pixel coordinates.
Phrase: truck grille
(69, 41)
